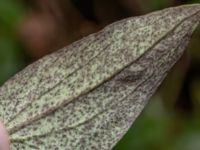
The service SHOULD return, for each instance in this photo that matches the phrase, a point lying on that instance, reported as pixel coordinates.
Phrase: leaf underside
(87, 95)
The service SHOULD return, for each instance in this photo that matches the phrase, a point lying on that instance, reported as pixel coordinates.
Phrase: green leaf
(87, 95)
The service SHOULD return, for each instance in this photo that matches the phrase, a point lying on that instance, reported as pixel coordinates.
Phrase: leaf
(87, 95)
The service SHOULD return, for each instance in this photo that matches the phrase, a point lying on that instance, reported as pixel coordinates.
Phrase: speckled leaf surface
(87, 95)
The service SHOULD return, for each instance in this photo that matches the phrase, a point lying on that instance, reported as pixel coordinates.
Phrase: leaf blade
(117, 92)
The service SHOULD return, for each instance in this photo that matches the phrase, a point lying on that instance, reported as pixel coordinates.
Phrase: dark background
(30, 29)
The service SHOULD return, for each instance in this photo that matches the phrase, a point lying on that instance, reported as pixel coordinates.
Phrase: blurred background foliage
(30, 29)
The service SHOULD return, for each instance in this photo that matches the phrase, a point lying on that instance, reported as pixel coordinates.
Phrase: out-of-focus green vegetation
(11, 54)
(169, 122)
